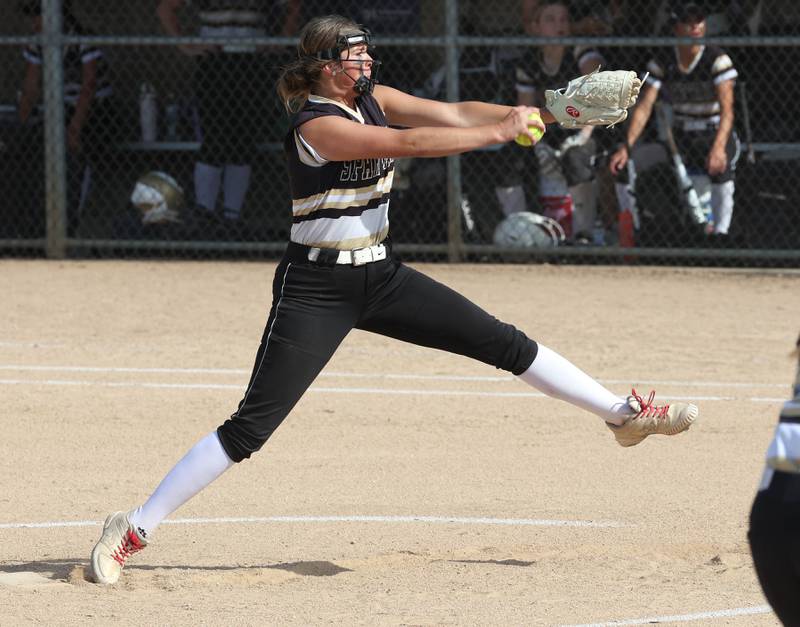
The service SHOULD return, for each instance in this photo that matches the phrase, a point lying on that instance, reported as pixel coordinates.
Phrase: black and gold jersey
(784, 450)
(74, 57)
(240, 19)
(531, 78)
(692, 90)
(337, 204)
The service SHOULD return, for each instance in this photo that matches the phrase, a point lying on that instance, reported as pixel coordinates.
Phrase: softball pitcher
(338, 272)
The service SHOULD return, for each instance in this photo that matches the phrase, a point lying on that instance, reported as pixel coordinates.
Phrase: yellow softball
(524, 140)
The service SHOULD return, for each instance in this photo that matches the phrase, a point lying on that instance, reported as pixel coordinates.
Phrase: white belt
(356, 257)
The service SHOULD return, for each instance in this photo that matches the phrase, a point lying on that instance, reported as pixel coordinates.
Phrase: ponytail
(298, 78)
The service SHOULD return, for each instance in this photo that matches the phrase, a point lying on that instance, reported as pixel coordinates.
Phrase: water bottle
(148, 112)
(598, 233)
(171, 116)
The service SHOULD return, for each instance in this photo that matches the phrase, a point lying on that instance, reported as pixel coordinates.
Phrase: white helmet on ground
(525, 229)
(159, 198)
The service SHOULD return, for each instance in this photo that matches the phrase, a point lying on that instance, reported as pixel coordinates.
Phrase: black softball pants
(694, 147)
(315, 306)
(775, 544)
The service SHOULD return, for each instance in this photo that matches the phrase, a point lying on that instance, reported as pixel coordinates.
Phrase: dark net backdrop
(117, 139)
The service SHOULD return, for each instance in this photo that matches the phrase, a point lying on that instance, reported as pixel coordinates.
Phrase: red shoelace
(647, 408)
(130, 545)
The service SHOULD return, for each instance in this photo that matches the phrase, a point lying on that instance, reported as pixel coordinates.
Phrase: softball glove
(596, 99)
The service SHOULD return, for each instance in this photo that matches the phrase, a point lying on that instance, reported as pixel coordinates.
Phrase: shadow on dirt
(60, 569)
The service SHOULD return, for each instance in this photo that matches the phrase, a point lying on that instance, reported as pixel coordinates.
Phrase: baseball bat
(748, 134)
(690, 202)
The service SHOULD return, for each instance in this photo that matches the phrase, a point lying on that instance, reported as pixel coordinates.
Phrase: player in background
(89, 108)
(566, 186)
(236, 108)
(338, 272)
(775, 517)
(698, 81)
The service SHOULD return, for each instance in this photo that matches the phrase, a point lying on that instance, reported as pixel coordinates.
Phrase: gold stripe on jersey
(354, 242)
(342, 198)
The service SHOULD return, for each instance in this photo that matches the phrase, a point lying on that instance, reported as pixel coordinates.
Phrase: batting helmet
(525, 229)
(159, 198)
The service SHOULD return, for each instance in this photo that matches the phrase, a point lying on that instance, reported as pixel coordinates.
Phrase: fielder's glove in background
(599, 98)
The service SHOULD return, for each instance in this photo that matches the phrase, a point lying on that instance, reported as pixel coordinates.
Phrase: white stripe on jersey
(697, 108)
(232, 16)
(229, 30)
(655, 74)
(91, 55)
(72, 88)
(31, 57)
(342, 197)
(345, 233)
(653, 82)
(305, 151)
(726, 76)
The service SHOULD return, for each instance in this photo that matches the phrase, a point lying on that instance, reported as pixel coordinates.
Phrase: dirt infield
(408, 486)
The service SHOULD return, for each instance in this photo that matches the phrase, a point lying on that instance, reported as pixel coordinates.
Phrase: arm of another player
(292, 15)
(717, 159)
(403, 109)
(81, 113)
(339, 139)
(641, 113)
(31, 89)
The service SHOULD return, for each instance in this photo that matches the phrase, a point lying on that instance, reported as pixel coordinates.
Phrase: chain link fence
(97, 96)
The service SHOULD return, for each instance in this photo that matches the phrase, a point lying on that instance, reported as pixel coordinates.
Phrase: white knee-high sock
(207, 181)
(236, 182)
(722, 205)
(555, 376)
(204, 462)
(584, 207)
(511, 199)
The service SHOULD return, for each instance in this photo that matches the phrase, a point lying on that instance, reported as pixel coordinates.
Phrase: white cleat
(118, 542)
(650, 419)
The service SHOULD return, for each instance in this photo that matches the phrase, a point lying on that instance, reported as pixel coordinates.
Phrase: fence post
(454, 191)
(55, 174)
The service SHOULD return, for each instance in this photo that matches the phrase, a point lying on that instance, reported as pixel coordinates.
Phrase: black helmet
(688, 13)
